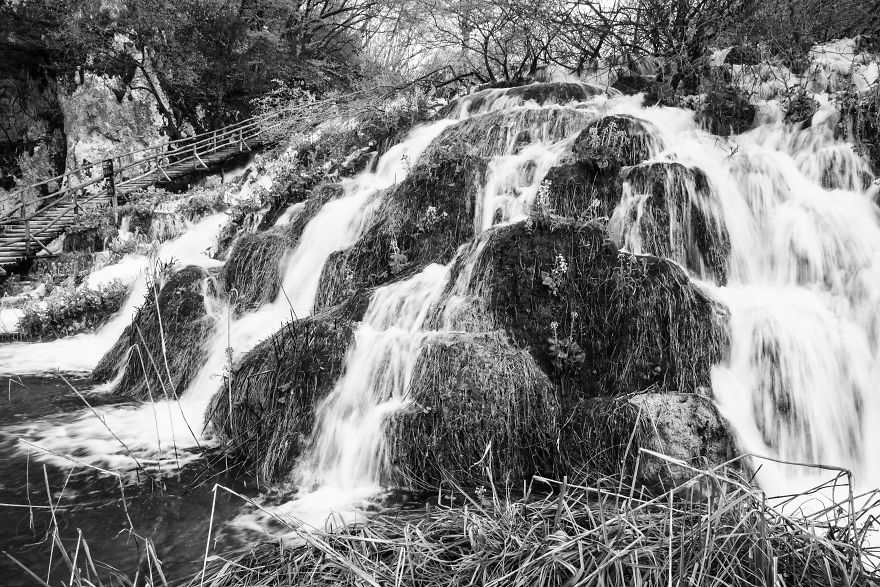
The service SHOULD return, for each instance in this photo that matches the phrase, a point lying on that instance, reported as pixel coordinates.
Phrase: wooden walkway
(41, 212)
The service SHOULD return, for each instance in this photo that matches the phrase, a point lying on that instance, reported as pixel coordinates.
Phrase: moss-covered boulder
(432, 212)
(482, 409)
(421, 221)
(265, 412)
(593, 317)
(478, 404)
(686, 427)
(587, 182)
(670, 213)
(505, 132)
(726, 110)
(166, 343)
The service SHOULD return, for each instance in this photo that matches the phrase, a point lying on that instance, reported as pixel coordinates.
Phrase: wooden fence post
(27, 224)
(110, 177)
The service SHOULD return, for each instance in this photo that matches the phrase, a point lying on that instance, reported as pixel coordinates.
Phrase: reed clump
(715, 529)
(163, 348)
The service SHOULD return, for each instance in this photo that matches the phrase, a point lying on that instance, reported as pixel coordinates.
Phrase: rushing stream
(802, 287)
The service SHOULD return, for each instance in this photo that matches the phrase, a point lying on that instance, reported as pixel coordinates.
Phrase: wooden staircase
(33, 222)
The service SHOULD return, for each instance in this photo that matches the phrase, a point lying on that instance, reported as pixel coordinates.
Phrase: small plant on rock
(69, 310)
(397, 260)
(565, 352)
(431, 220)
(555, 278)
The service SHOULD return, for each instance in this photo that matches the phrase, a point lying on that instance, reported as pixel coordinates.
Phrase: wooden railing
(102, 180)
(31, 216)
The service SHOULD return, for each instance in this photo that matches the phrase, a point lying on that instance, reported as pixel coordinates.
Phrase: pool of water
(174, 513)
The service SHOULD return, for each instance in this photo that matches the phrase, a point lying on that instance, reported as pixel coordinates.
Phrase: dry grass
(714, 530)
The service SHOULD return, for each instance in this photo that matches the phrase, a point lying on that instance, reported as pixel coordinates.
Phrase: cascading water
(803, 289)
(163, 435)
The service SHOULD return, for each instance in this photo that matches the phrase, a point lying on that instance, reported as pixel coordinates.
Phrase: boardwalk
(34, 222)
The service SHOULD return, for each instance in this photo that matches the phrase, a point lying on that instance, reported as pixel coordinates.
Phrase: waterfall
(348, 449)
(776, 223)
(803, 289)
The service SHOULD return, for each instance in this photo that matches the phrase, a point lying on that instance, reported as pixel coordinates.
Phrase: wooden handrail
(141, 163)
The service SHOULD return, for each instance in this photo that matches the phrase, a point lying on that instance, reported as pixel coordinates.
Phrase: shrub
(68, 311)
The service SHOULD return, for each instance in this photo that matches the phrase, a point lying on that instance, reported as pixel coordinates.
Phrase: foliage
(67, 310)
(211, 56)
(201, 203)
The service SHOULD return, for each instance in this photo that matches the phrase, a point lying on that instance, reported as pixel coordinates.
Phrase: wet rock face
(686, 427)
(98, 124)
(265, 413)
(163, 348)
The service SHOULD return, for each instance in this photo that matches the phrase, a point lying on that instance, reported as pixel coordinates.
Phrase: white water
(348, 450)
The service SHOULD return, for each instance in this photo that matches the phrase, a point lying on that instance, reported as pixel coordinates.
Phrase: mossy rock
(90, 240)
(587, 183)
(744, 55)
(800, 110)
(672, 224)
(616, 141)
(632, 83)
(166, 343)
(860, 124)
(253, 270)
(423, 220)
(726, 111)
(610, 323)
(686, 427)
(475, 399)
(265, 413)
(482, 409)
